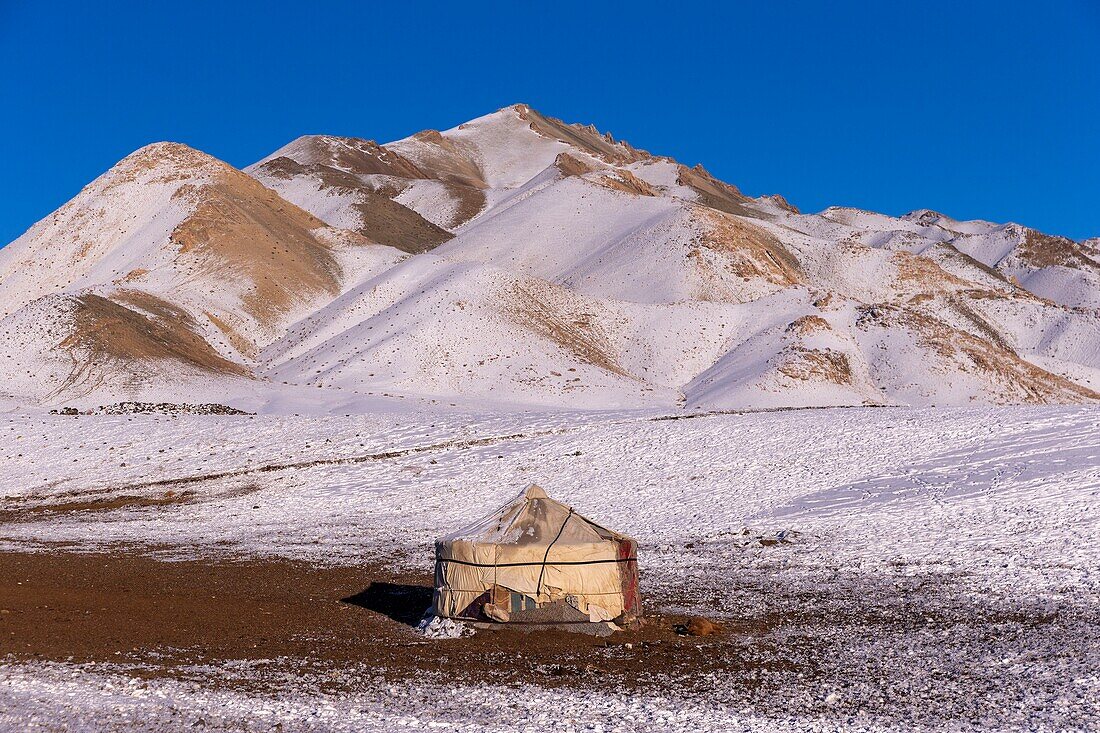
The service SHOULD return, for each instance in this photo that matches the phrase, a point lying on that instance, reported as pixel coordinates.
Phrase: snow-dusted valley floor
(885, 568)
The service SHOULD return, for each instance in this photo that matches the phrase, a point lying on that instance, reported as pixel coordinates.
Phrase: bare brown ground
(109, 333)
(1044, 250)
(444, 160)
(158, 308)
(240, 227)
(125, 607)
(349, 154)
(808, 325)
(959, 302)
(780, 201)
(715, 193)
(1020, 380)
(616, 179)
(712, 192)
(132, 275)
(819, 365)
(106, 504)
(236, 340)
(953, 253)
(571, 165)
(585, 137)
(167, 161)
(623, 180)
(920, 274)
(749, 251)
(388, 222)
(469, 202)
(381, 219)
(576, 332)
(159, 492)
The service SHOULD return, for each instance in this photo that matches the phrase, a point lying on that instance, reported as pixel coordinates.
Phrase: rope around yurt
(538, 588)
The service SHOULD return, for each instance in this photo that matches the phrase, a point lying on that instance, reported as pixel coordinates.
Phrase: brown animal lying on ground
(699, 626)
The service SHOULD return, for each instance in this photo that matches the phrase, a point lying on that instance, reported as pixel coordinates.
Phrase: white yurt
(536, 562)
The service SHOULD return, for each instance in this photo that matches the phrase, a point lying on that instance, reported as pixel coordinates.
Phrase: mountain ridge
(522, 259)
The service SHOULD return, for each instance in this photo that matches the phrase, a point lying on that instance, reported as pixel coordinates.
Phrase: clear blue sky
(979, 109)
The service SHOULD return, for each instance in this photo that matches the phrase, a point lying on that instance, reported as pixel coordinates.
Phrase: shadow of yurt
(537, 564)
(401, 602)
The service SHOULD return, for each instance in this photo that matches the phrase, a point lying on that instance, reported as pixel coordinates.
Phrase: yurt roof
(532, 518)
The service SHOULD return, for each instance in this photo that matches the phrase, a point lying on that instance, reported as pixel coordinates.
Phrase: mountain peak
(926, 217)
(520, 108)
(171, 155)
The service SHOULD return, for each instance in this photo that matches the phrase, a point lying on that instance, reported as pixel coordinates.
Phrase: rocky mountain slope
(521, 260)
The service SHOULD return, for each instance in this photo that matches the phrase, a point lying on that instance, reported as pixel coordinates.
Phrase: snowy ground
(938, 566)
(81, 698)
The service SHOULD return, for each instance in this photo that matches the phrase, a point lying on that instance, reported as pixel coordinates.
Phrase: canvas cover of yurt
(536, 561)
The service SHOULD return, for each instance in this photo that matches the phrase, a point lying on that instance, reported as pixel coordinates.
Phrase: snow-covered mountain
(522, 260)
(170, 264)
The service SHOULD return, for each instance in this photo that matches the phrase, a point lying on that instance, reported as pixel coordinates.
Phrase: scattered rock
(165, 408)
(783, 537)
